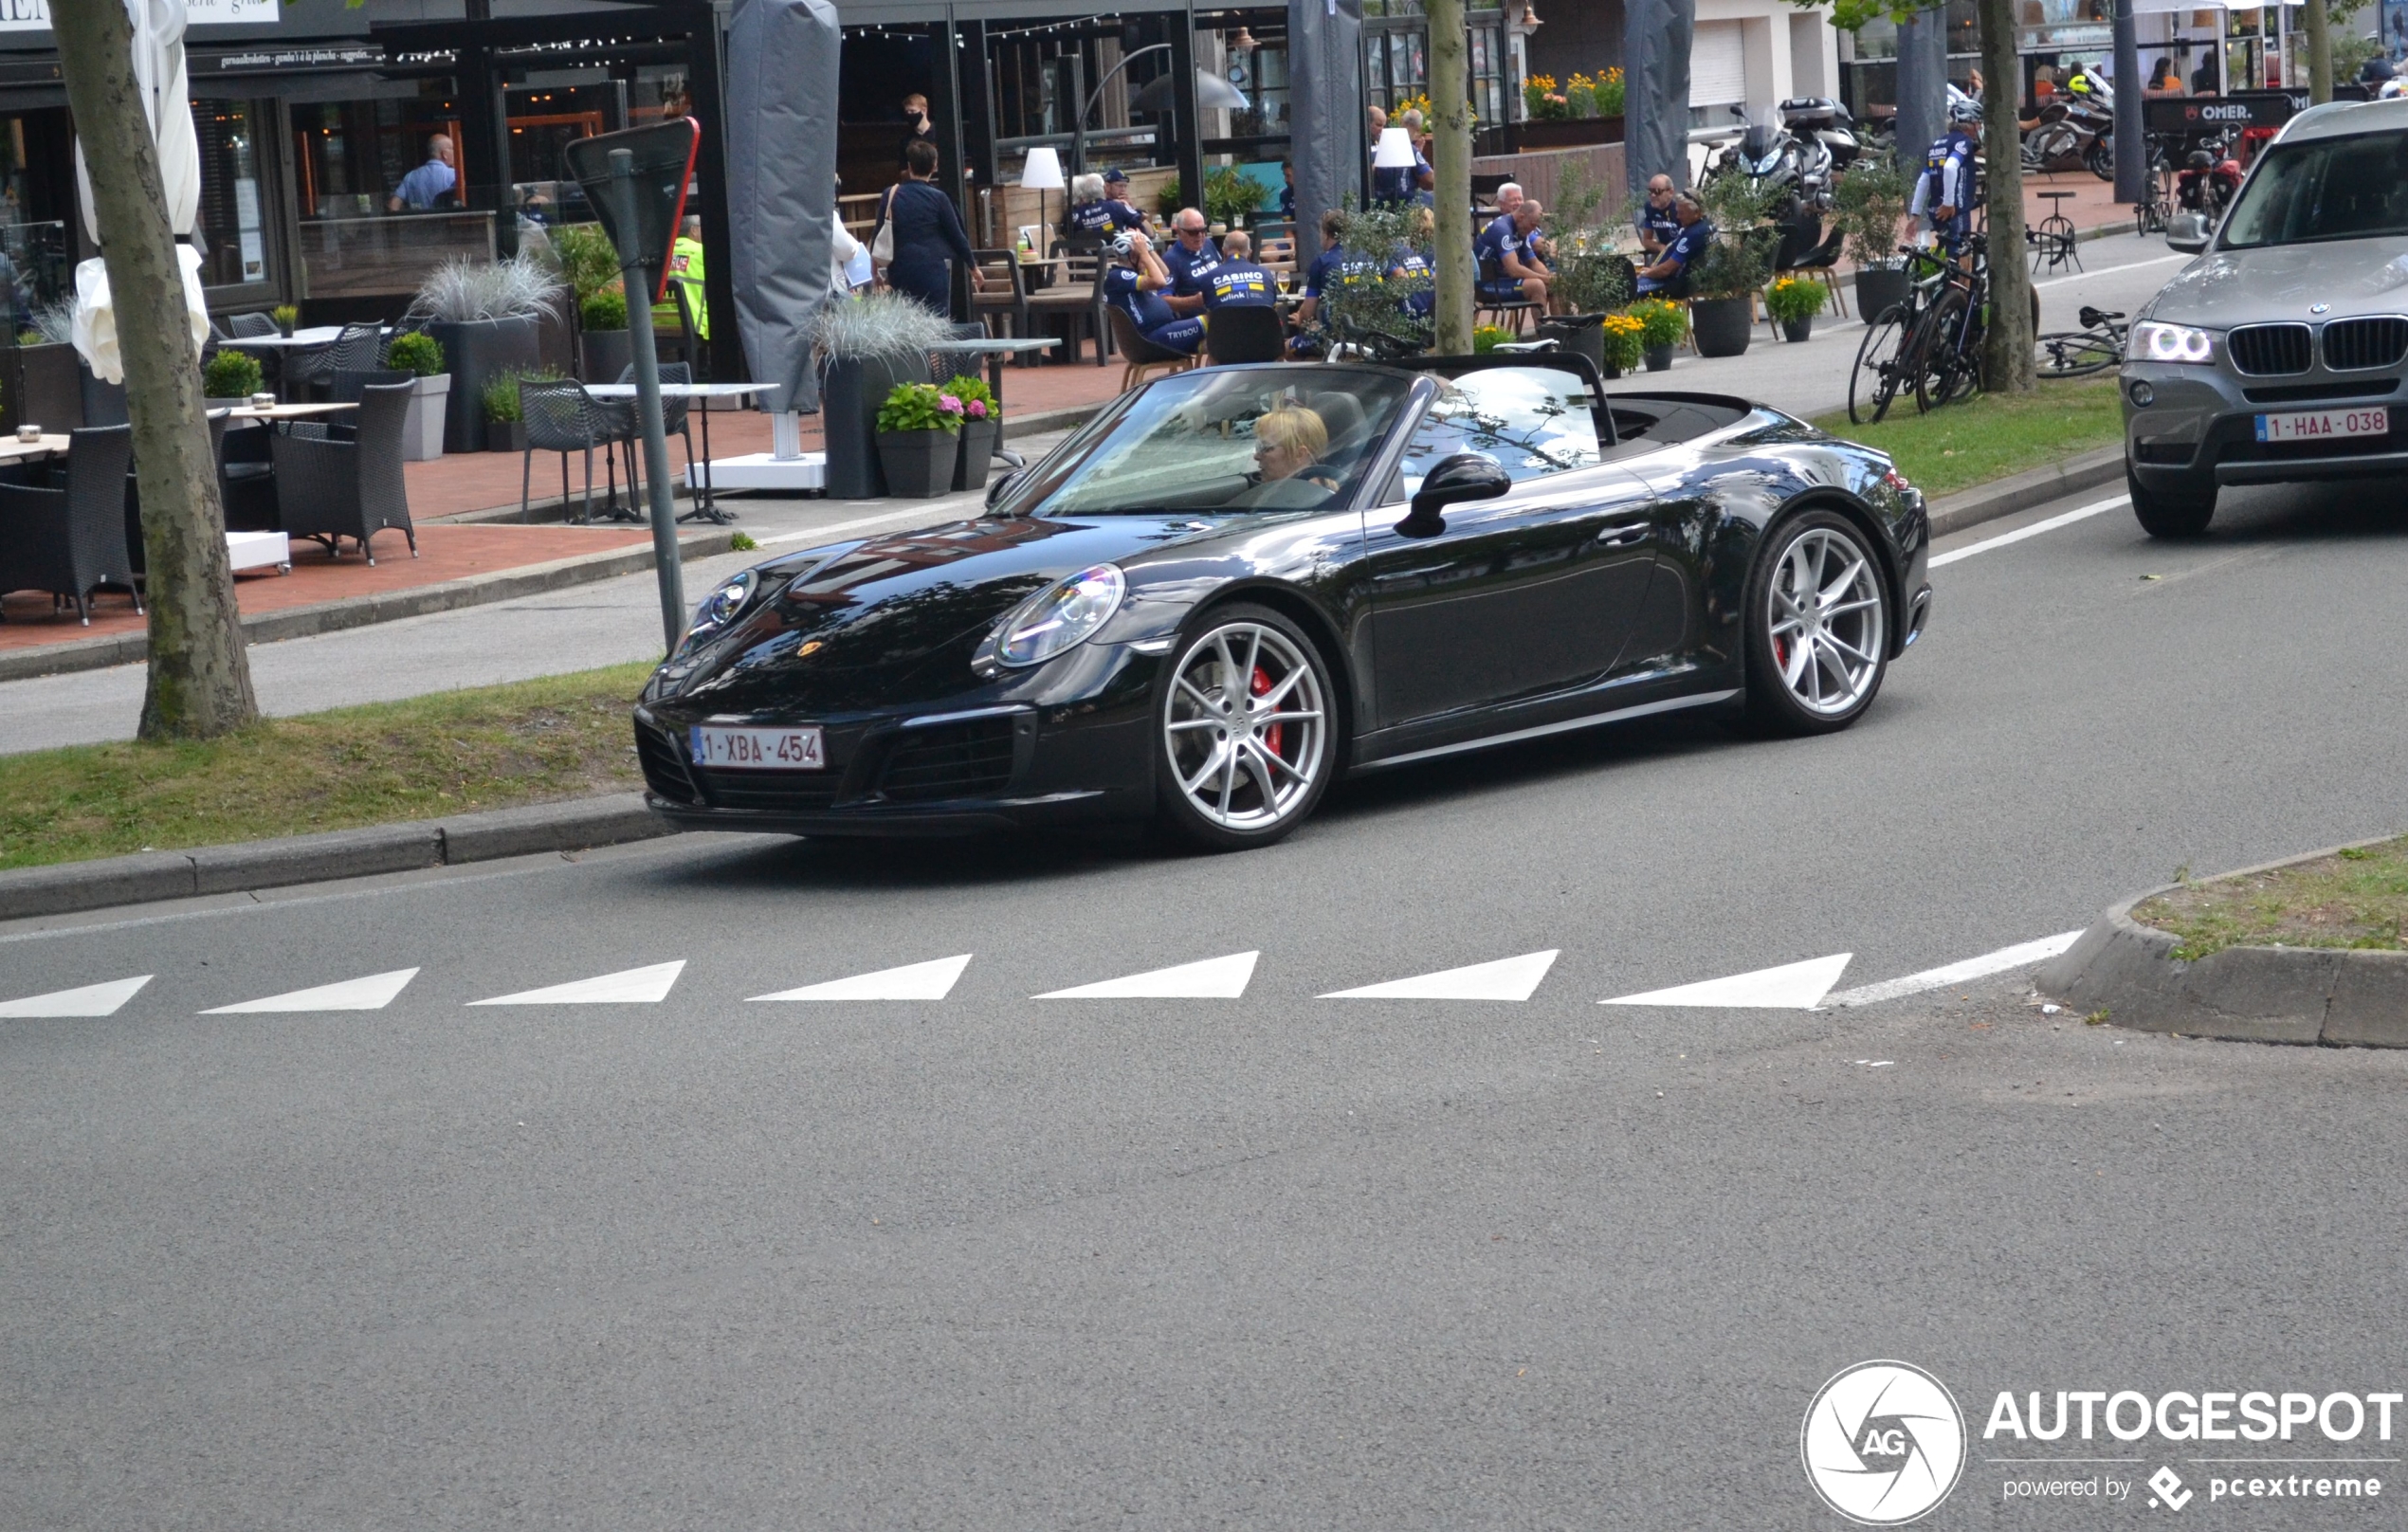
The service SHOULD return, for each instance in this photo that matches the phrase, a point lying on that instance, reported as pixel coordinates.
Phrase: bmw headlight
(2155, 342)
(1061, 616)
(721, 607)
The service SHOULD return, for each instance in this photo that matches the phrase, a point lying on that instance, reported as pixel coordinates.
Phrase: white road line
(2109, 271)
(845, 526)
(2063, 518)
(913, 981)
(1790, 987)
(91, 1000)
(2022, 955)
(632, 986)
(1507, 978)
(1214, 978)
(373, 992)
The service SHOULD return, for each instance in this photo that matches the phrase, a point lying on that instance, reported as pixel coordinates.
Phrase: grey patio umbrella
(781, 184)
(1656, 36)
(1325, 113)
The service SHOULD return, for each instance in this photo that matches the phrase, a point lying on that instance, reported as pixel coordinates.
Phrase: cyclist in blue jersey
(1510, 270)
(1190, 260)
(1408, 262)
(1947, 191)
(1317, 275)
(1237, 281)
(1135, 285)
(1668, 275)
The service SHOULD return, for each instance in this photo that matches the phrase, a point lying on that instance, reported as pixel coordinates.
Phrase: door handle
(1622, 537)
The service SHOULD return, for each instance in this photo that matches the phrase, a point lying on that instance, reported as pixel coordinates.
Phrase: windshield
(2324, 189)
(1226, 441)
(1531, 421)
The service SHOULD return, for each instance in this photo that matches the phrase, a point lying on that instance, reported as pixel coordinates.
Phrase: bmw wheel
(1817, 626)
(2170, 516)
(1244, 728)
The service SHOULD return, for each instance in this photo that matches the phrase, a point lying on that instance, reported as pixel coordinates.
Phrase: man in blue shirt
(1670, 276)
(1317, 275)
(1134, 284)
(422, 188)
(1237, 281)
(1945, 190)
(1190, 260)
(1116, 201)
(1510, 270)
(1657, 221)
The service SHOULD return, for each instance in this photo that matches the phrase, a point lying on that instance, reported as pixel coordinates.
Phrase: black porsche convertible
(1239, 582)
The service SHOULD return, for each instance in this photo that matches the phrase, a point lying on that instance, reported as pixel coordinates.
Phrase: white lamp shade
(1396, 149)
(1042, 171)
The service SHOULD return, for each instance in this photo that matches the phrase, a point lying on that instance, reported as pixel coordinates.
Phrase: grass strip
(1991, 435)
(484, 747)
(2356, 897)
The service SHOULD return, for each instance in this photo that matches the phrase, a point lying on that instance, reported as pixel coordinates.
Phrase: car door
(1531, 592)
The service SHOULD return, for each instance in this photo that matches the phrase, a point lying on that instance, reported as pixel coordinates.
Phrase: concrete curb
(2260, 995)
(2022, 491)
(334, 616)
(574, 825)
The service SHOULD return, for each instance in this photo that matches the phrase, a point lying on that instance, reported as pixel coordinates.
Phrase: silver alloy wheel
(1827, 623)
(1244, 727)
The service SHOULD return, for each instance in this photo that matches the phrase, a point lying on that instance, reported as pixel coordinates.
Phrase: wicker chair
(70, 540)
(561, 417)
(329, 489)
(358, 349)
(252, 327)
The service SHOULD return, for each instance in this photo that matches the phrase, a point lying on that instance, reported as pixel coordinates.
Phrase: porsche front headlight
(2155, 342)
(721, 607)
(1061, 616)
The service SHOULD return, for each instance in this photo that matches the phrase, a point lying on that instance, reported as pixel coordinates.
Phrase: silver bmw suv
(2277, 357)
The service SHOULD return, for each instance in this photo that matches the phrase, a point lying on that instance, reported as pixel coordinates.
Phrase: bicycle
(2094, 348)
(1885, 354)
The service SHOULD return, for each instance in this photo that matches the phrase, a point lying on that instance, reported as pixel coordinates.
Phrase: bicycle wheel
(1946, 360)
(1874, 382)
(2076, 354)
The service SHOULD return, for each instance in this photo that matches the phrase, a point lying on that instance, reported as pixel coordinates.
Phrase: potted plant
(982, 431)
(485, 314)
(415, 352)
(1792, 303)
(505, 415)
(1867, 204)
(1662, 324)
(867, 345)
(287, 317)
(604, 350)
(1622, 338)
(1735, 265)
(230, 379)
(919, 439)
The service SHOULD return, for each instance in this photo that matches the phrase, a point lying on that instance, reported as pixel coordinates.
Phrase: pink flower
(949, 404)
(978, 408)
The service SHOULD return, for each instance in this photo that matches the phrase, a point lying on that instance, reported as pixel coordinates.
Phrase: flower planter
(848, 420)
(505, 436)
(422, 429)
(476, 350)
(1566, 133)
(919, 465)
(1722, 325)
(978, 439)
(604, 354)
(1798, 330)
(1879, 287)
(41, 386)
(1658, 358)
(1583, 334)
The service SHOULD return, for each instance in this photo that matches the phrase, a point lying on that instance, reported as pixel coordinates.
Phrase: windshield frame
(2269, 161)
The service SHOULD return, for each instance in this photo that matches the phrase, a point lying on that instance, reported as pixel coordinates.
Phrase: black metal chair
(358, 348)
(561, 417)
(673, 417)
(1244, 335)
(331, 490)
(70, 540)
(1140, 353)
(252, 327)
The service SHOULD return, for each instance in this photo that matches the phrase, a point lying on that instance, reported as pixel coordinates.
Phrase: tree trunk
(200, 683)
(2320, 53)
(2006, 364)
(1450, 103)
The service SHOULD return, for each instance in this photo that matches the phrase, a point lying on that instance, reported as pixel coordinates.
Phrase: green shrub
(918, 407)
(1661, 322)
(1486, 339)
(604, 310)
(584, 257)
(500, 396)
(231, 375)
(1792, 299)
(1229, 195)
(416, 352)
(1624, 340)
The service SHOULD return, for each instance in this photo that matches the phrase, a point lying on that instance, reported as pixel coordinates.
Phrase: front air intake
(2271, 350)
(2360, 345)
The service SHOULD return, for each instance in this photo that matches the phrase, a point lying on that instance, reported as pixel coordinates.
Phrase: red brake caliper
(1260, 686)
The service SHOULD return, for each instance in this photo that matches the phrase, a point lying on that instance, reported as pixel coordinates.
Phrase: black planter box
(1879, 287)
(919, 464)
(606, 355)
(475, 352)
(41, 386)
(849, 421)
(978, 439)
(1722, 325)
(1658, 358)
(505, 436)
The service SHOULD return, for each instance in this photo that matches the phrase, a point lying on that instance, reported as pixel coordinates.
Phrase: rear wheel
(1943, 372)
(2101, 159)
(1874, 382)
(1244, 734)
(2170, 516)
(2074, 354)
(1817, 626)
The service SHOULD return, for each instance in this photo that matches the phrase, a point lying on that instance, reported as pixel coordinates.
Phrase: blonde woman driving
(1289, 474)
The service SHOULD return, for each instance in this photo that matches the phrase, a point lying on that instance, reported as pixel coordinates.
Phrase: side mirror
(1001, 487)
(2187, 232)
(1465, 476)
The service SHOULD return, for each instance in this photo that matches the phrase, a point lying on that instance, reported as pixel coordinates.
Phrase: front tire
(2170, 516)
(1245, 730)
(1874, 383)
(1817, 626)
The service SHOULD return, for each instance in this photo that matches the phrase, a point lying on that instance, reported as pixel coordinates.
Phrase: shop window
(231, 231)
(352, 161)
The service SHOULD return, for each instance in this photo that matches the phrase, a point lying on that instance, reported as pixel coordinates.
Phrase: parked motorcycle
(1820, 121)
(2073, 132)
(1769, 152)
(2211, 176)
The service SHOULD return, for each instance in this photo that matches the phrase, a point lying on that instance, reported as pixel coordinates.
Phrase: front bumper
(2199, 429)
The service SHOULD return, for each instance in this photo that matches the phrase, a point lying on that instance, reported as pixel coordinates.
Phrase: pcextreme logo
(1883, 1443)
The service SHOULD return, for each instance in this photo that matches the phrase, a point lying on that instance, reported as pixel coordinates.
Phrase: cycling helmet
(1125, 244)
(1964, 109)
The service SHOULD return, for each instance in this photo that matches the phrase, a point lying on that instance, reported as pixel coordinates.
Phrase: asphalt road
(1278, 1261)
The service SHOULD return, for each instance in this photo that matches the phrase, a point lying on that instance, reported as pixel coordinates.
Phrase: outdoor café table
(314, 337)
(705, 497)
(995, 350)
(13, 451)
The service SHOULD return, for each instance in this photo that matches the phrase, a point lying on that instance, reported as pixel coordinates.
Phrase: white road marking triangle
(1214, 978)
(373, 992)
(913, 981)
(634, 986)
(91, 1000)
(1790, 987)
(1507, 978)
(2023, 955)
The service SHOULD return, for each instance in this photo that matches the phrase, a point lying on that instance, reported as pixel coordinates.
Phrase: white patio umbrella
(167, 99)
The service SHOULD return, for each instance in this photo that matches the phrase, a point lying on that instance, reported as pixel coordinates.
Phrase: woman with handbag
(919, 232)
